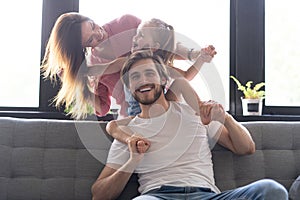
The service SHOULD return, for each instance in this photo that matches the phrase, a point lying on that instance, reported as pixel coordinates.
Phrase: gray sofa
(60, 159)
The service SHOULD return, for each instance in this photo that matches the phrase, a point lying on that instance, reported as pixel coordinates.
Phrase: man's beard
(157, 93)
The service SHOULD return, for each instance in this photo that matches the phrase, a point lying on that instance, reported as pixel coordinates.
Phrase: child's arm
(206, 55)
(181, 87)
(118, 129)
(182, 52)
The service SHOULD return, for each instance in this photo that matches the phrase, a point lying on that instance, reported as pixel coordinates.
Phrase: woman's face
(92, 34)
(143, 37)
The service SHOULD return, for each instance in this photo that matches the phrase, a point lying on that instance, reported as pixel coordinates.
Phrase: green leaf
(236, 81)
(248, 84)
(248, 92)
(258, 86)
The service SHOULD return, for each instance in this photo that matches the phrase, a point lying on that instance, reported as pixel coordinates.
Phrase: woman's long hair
(65, 57)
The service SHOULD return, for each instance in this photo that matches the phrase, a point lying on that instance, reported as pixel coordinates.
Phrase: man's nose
(144, 79)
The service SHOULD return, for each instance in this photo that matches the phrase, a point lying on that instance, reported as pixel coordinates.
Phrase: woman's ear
(155, 46)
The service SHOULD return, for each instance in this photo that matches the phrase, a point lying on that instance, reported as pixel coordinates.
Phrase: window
(262, 34)
(282, 53)
(20, 55)
(196, 25)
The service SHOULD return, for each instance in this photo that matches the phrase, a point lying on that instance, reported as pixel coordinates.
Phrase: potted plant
(253, 96)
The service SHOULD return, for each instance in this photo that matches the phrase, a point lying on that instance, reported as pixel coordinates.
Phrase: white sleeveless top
(179, 154)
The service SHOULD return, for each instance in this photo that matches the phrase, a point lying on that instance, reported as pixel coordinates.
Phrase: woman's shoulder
(129, 17)
(129, 20)
(123, 23)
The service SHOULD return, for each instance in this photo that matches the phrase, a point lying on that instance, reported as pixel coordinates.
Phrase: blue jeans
(265, 189)
(133, 106)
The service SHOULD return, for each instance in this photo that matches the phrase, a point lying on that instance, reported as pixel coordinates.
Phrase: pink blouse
(120, 34)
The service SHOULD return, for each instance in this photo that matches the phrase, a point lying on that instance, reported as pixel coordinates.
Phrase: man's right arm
(113, 178)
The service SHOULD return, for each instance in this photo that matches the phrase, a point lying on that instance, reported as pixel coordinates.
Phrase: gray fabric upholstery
(60, 159)
(294, 193)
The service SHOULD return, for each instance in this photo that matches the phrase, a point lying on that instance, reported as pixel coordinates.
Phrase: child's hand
(207, 53)
(205, 108)
(211, 111)
(142, 144)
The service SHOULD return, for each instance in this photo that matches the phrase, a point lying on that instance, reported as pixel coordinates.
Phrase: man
(178, 164)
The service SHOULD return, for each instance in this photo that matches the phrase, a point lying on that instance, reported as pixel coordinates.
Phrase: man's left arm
(236, 137)
(230, 133)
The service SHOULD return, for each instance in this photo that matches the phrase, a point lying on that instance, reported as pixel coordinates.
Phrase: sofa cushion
(294, 193)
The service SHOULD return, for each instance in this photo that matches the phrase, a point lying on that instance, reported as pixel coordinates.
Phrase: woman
(72, 37)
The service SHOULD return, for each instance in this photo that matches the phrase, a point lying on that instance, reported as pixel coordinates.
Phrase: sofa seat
(47, 159)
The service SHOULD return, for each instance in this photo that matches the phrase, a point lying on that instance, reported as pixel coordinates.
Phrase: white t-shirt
(179, 154)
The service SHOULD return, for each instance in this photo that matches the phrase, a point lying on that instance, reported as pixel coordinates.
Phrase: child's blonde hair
(163, 34)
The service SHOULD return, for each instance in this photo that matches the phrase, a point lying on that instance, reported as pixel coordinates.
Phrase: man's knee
(146, 197)
(271, 188)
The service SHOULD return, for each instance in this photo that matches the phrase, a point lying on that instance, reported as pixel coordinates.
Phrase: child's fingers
(142, 146)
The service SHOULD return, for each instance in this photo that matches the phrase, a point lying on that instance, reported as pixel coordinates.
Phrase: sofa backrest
(61, 159)
(44, 159)
(277, 156)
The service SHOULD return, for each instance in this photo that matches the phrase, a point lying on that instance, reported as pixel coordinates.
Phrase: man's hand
(211, 111)
(218, 113)
(141, 144)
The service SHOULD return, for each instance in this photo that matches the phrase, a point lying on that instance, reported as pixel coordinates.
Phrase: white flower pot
(252, 106)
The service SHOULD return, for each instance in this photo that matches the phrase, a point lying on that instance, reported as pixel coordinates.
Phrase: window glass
(20, 53)
(282, 53)
(201, 21)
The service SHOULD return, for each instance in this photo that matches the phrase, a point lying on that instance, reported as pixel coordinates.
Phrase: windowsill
(34, 114)
(51, 115)
(267, 117)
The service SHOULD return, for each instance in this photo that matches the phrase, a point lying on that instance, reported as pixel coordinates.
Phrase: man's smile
(145, 88)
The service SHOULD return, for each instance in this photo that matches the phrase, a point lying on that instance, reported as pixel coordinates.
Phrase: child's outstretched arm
(118, 129)
(205, 55)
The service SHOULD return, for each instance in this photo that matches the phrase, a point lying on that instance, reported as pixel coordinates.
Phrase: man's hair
(141, 55)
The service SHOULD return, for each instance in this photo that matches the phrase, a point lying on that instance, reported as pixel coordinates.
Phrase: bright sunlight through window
(20, 55)
(282, 31)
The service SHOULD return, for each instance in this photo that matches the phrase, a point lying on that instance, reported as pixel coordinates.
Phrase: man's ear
(163, 81)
